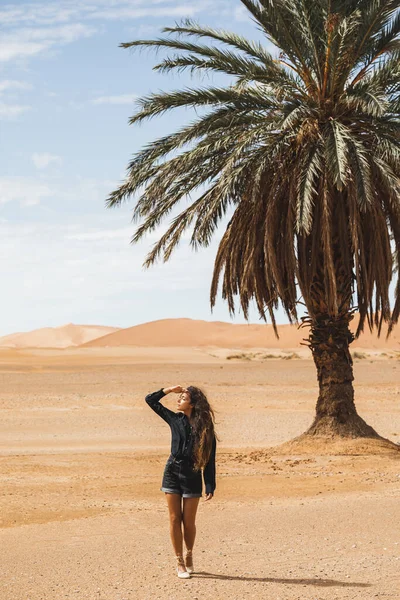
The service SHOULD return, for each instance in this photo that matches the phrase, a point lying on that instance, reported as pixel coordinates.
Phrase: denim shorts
(181, 478)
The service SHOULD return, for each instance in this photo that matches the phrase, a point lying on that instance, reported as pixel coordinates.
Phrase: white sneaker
(183, 574)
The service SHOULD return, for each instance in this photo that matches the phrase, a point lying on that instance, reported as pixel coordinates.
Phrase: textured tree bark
(326, 273)
(330, 338)
(336, 414)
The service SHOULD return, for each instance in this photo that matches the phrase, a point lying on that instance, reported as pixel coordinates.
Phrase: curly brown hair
(203, 420)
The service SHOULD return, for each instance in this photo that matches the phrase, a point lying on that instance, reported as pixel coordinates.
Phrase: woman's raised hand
(174, 389)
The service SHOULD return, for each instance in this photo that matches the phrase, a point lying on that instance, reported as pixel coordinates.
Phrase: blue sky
(66, 93)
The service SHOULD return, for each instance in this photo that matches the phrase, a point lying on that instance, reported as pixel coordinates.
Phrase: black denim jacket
(182, 439)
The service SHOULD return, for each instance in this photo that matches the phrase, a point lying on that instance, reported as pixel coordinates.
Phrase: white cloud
(64, 34)
(181, 10)
(64, 11)
(124, 233)
(10, 111)
(30, 13)
(44, 159)
(27, 42)
(82, 195)
(10, 84)
(121, 99)
(30, 29)
(9, 49)
(24, 190)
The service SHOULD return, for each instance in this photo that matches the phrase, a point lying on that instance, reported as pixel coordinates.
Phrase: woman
(192, 450)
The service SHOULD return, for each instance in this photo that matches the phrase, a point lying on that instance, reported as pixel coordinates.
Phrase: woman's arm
(153, 400)
(209, 473)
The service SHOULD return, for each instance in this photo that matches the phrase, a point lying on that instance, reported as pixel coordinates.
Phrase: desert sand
(81, 459)
(56, 337)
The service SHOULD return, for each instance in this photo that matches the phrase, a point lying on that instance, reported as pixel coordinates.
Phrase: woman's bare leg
(189, 525)
(175, 524)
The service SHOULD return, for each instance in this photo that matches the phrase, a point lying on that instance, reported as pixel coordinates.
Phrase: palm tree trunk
(336, 414)
(330, 338)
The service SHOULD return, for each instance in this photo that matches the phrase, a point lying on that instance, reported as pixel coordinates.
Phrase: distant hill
(188, 332)
(181, 333)
(56, 337)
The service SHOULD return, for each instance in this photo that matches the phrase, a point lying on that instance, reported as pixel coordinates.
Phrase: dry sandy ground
(81, 458)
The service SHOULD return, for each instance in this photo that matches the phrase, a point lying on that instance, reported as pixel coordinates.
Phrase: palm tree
(303, 149)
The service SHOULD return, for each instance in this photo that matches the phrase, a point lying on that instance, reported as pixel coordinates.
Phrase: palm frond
(256, 98)
(337, 153)
(310, 171)
(361, 173)
(254, 50)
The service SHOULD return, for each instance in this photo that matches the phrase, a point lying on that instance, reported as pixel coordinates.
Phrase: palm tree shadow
(302, 581)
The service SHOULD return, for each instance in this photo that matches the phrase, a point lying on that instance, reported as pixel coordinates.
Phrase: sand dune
(183, 333)
(192, 333)
(188, 332)
(56, 337)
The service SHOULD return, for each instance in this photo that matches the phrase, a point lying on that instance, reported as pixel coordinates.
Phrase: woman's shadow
(301, 581)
